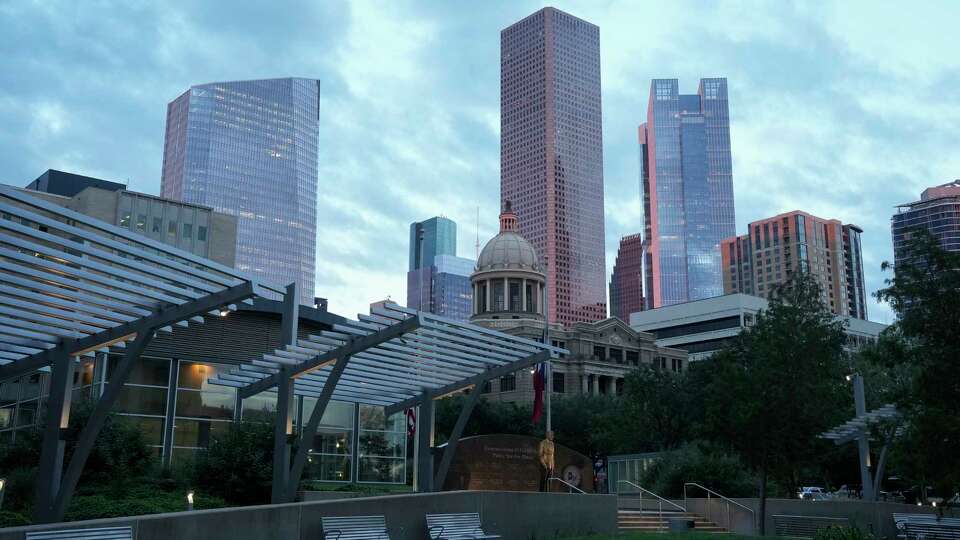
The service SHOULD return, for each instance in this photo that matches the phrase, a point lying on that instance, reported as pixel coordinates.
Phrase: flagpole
(548, 372)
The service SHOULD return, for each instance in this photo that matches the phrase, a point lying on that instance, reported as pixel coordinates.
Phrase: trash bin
(680, 524)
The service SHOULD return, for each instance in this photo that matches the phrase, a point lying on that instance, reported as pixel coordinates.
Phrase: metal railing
(728, 502)
(641, 490)
(570, 487)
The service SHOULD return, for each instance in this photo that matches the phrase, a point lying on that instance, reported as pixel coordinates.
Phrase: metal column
(283, 429)
(51, 453)
(454, 439)
(863, 442)
(425, 444)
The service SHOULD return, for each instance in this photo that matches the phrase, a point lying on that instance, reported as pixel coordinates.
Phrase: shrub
(843, 533)
(140, 500)
(238, 465)
(12, 519)
(702, 463)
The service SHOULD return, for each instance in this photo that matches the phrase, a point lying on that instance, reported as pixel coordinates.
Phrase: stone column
(506, 294)
(523, 295)
(596, 385)
(489, 295)
(584, 384)
(612, 386)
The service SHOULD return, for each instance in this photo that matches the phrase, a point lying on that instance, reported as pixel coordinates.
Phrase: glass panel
(9, 392)
(260, 408)
(194, 375)
(125, 219)
(152, 371)
(329, 468)
(381, 470)
(27, 415)
(187, 230)
(142, 222)
(142, 400)
(31, 386)
(338, 413)
(152, 428)
(202, 233)
(206, 404)
(83, 374)
(332, 441)
(382, 444)
(197, 433)
(6, 417)
(157, 224)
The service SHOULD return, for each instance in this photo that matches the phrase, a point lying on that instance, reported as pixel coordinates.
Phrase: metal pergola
(396, 358)
(72, 286)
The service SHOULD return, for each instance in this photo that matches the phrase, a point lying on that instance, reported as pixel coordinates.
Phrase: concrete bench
(805, 526)
(926, 527)
(354, 528)
(104, 533)
(456, 527)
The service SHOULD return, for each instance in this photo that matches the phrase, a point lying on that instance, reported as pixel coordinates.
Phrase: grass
(666, 536)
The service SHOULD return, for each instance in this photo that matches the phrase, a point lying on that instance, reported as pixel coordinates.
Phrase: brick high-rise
(687, 184)
(626, 282)
(776, 248)
(551, 155)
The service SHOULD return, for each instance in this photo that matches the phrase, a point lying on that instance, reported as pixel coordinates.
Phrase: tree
(661, 407)
(780, 385)
(925, 294)
(238, 464)
(701, 462)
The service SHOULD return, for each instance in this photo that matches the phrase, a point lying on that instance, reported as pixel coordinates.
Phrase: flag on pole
(539, 385)
(411, 422)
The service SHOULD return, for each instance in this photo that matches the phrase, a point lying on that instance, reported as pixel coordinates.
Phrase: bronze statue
(546, 452)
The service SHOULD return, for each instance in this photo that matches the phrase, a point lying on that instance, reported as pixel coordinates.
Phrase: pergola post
(51, 453)
(863, 442)
(425, 444)
(96, 421)
(455, 435)
(283, 429)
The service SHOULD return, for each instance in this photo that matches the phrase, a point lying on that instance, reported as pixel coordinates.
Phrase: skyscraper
(626, 282)
(438, 281)
(937, 211)
(687, 183)
(776, 248)
(551, 155)
(249, 149)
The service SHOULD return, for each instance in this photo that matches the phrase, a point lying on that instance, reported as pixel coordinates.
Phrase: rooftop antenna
(476, 244)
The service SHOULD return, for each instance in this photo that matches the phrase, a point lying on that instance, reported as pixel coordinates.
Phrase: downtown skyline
(845, 128)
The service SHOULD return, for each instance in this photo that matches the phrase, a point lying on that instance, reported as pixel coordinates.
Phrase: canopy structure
(72, 285)
(396, 358)
(859, 426)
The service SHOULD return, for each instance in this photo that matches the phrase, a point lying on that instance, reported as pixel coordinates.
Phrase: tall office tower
(776, 248)
(249, 149)
(437, 280)
(626, 282)
(551, 155)
(687, 184)
(937, 211)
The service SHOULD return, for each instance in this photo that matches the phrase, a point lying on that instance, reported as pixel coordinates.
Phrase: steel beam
(308, 432)
(354, 345)
(163, 317)
(282, 437)
(475, 380)
(50, 468)
(455, 435)
(95, 423)
(425, 444)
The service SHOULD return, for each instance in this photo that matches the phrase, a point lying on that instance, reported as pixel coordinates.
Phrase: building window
(329, 459)
(515, 299)
(125, 219)
(599, 353)
(142, 222)
(172, 230)
(498, 296)
(508, 383)
(633, 358)
(188, 230)
(383, 446)
(558, 381)
(202, 233)
(529, 307)
(616, 355)
(157, 225)
(486, 388)
(202, 410)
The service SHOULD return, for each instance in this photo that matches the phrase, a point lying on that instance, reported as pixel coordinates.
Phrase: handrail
(568, 484)
(645, 490)
(724, 498)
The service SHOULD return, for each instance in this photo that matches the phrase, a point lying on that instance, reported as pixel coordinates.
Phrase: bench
(104, 533)
(805, 526)
(926, 527)
(354, 528)
(456, 527)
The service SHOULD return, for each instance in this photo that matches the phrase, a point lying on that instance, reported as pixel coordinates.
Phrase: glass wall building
(551, 155)
(429, 238)
(687, 185)
(443, 288)
(937, 211)
(626, 282)
(249, 149)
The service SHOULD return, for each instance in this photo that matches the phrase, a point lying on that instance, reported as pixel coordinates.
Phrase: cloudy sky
(840, 109)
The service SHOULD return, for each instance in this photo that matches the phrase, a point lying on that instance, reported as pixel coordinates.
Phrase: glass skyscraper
(429, 238)
(937, 211)
(626, 282)
(249, 149)
(551, 155)
(687, 185)
(438, 281)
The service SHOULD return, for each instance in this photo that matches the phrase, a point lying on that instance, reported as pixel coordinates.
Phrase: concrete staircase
(654, 521)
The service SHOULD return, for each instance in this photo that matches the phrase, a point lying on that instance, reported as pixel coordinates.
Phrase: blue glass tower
(249, 149)
(429, 238)
(687, 187)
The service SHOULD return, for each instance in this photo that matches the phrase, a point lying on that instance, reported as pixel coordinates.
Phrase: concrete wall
(876, 517)
(222, 240)
(517, 516)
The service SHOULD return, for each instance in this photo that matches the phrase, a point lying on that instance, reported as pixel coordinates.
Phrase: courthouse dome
(508, 250)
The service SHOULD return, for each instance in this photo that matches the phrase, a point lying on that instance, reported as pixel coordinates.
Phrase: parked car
(813, 493)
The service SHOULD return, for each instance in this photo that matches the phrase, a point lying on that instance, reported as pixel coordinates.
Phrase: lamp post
(189, 501)
(3, 489)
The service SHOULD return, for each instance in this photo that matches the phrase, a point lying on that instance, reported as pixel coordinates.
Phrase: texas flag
(539, 385)
(411, 422)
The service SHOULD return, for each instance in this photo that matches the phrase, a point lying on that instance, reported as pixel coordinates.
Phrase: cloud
(842, 109)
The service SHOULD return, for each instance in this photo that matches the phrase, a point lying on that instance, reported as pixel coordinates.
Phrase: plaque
(511, 463)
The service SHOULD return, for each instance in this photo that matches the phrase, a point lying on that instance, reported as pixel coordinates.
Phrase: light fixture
(189, 501)
(224, 312)
(848, 378)
(919, 503)
(934, 503)
(3, 485)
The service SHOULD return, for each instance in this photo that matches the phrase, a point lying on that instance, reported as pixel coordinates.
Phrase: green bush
(843, 533)
(140, 500)
(701, 463)
(238, 465)
(12, 519)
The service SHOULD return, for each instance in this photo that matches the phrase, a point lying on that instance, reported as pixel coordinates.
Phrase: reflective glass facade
(551, 156)
(444, 288)
(435, 236)
(687, 186)
(249, 149)
(937, 211)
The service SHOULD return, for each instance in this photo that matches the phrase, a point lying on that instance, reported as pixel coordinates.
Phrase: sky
(841, 109)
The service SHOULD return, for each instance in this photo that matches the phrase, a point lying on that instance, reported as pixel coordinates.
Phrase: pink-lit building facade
(776, 248)
(626, 282)
(551, 155)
